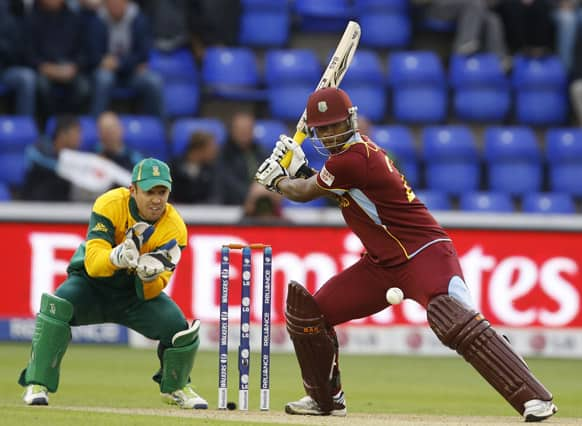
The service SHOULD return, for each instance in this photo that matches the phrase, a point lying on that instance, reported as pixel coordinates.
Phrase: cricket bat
(332, 77)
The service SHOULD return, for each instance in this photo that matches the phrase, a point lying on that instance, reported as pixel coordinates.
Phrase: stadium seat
(13, 168)
(5, 193)
(399, 143)
(452, 160)
(418, 84)
(184, 127)
(564, 158)
(267, 132)
(181, 99)
(283, 66)
(16, 132)
(316, 158)
(145, 134)
(484, 201)
(89, 134)
(548, 203)
(322, 15)
(390, 29)
(481, 92)
(434, 200)
(178, 65)
(232, 73)
(287, 102)
(366, 67)
(513, 160)
(264, 23)
(541, 90)
(382, 5)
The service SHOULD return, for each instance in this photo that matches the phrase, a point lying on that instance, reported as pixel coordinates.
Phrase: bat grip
(298, 137)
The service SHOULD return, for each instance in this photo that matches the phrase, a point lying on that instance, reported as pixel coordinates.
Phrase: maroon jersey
(378, 204)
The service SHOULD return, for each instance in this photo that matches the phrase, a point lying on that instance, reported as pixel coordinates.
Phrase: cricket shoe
(35, 395)
(308, 407)
(537, 410)
(185, 398)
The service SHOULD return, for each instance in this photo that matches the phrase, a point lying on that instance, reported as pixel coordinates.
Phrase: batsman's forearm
(300, 190)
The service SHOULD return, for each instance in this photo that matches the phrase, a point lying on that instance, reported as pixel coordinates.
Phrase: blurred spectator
(568, 19)
(20, 81)
(262, 207)
(55, 51)
(120, 42)
(477, 27)
(576, 82)
(42, 183)
(111, 144)
(194, 173)
(239, 159)
(529, 29)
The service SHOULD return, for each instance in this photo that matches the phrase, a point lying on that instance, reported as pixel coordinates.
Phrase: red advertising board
(518, 278)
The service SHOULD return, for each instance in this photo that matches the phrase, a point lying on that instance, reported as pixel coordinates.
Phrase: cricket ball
(394, 295)
(231, 405)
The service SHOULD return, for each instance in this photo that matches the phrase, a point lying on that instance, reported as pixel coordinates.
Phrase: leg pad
(179, 359)
(471, 335)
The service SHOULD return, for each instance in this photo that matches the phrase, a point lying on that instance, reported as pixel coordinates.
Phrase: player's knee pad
(470, 334)
(179, 359)
(315, 346)
(51, 337)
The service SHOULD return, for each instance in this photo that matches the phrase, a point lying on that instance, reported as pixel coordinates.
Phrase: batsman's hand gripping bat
(332, 76)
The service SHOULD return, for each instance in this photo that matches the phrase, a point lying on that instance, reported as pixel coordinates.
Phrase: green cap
(151, 172)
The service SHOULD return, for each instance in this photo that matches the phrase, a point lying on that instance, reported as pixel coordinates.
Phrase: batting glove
(298, 163)
(126, 254)
(270, 173)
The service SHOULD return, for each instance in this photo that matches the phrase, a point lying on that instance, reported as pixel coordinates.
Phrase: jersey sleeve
(100, 240)
(346, 170)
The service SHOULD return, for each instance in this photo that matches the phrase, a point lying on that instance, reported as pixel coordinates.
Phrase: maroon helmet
(328, 106)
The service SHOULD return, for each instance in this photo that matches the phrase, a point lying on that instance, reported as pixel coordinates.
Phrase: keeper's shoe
(35, 395)
(185, 398)
(308, 407)
(537, 410)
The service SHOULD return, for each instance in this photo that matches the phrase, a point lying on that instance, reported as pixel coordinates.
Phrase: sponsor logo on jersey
(326, 176)
(99, 227)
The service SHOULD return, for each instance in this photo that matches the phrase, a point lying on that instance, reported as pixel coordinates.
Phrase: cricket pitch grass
(111, 385)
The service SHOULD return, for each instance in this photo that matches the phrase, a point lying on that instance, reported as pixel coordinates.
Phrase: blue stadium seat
(564, 157)
(419, 87)
(232, 73)
(452, 160)
(146, 135)
(385, 29)
(513, 160)
(283, 66)
(399, 143)
(181, 99)
(322, 15)
(382, 5)
(548, 202)
(541, 90)
(178, 65)
(288, 101)
(366, 67)
(434, 200)
(13, 168)
(481, 90)
(484, 201)
(264, 23)
(16, 132)
(184, 127)
(89, 134)
(267, 132)
(316, 158)
(5, 193)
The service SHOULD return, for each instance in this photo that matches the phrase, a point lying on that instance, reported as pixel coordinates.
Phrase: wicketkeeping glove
(299, 165)
(126, 254)
(165, 258)
(270, 173)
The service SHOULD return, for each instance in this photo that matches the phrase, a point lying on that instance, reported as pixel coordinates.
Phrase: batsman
(117, 275)
(405, 248)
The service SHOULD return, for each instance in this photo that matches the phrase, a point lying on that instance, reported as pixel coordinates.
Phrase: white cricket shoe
(35, 395)
(185, 398)
(308, 407)
(537, 410)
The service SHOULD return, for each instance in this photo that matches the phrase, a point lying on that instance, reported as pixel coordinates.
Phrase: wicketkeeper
(117, 275)
(405, 248)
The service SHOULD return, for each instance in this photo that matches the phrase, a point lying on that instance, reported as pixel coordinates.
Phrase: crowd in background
(70, 58)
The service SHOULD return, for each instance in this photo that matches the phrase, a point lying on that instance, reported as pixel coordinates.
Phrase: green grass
(119, 377)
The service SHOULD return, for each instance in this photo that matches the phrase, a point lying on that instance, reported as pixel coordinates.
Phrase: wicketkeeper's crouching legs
(52, 335)
(176, 364)
(471, 335)
(316, 348)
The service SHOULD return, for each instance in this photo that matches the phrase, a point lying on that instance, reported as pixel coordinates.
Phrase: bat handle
(298, 137)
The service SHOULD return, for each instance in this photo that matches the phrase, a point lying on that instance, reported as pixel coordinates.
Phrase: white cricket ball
(394, 295)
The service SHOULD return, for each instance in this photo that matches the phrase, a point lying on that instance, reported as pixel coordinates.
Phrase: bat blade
(332, 76)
